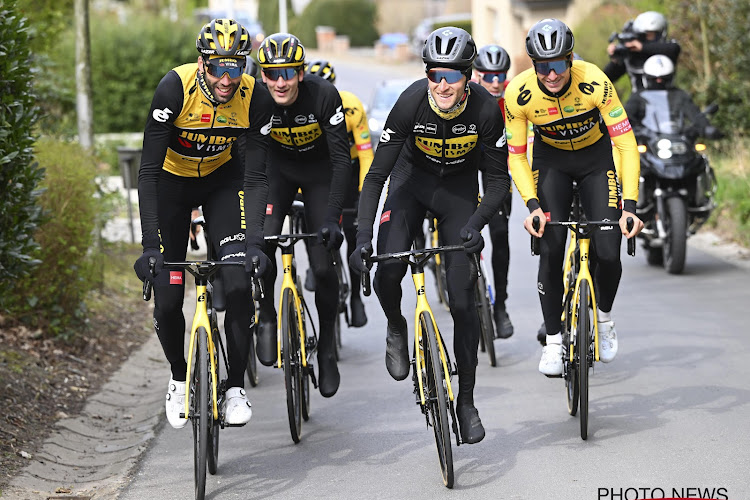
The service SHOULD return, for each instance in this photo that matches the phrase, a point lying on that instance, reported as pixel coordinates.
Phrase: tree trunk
(83, 75)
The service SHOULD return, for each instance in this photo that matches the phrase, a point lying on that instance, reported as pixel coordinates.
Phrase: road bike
(204, 392)
(580, 333)
(431, 365)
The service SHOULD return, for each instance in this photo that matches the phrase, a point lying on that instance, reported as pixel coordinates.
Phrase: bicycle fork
(288, 282)
(201, 320)
(583, 273)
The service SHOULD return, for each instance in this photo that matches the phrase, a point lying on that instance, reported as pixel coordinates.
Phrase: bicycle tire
(305, 371)
(292, 364)
(570, 372)
(214, 424)
(199, 407)
(485, 319)
(252, 357)
(442, 282)
(583, 348)
(437, 399)
(337, 336)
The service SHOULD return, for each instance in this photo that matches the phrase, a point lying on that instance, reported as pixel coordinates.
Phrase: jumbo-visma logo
(451, 148)
(299, 135)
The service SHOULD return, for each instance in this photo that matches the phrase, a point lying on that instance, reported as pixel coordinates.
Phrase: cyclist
(309, 151)
(650, 30)
(447, 126)
(491, 72)
(360, 151)
(190, 159)
(575, 111)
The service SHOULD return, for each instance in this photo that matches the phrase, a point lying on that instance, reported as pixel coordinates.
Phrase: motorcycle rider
(650, 30)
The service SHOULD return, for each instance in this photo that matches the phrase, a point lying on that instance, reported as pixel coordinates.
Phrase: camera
(626, 35)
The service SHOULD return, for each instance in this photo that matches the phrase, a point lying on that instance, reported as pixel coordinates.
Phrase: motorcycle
(677, 185)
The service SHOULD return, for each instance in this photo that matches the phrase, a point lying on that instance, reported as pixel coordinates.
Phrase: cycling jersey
(440, 147)
(188, 136)
(586, 110)
(309, 137)
(360, 143)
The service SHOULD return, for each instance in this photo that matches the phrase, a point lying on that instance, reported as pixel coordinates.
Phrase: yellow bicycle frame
(583, 273)
(288, 283)
(424, 306)
(201, 319)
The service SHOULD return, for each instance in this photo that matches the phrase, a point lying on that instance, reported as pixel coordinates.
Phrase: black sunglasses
(217, 68)
(544, 68)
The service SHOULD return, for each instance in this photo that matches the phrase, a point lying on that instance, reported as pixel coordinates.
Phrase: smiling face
(552, 80)
(446, 95)
(223, 87)
(283, 90)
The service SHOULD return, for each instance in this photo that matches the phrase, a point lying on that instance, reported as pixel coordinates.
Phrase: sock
(554, 339)
(603, 316)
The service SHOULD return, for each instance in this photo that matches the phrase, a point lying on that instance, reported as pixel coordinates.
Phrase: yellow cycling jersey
(360, 143)
(575, 118)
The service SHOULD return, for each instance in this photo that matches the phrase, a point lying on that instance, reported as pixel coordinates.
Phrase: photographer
(640, 39)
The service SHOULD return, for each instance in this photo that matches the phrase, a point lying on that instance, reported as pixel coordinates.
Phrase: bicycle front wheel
(213, 423)
(485, 319)
(437, 399)
(252, 360)
(570, 369)
(292, 364)
(583, 347)
(199, 409)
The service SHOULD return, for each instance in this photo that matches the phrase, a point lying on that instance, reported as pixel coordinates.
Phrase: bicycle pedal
(553, 376)
(234, 425)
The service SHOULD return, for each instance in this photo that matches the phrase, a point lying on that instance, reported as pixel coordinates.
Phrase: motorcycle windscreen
(660, 116)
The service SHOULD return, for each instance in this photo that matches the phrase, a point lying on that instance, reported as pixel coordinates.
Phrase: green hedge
(19, 174)
(353, 18)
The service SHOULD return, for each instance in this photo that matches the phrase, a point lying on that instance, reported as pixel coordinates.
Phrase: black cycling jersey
(441, 147)
(310, 135)
(188, 136)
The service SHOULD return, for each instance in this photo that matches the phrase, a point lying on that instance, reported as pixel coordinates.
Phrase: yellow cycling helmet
(224, 37)
(281, 50)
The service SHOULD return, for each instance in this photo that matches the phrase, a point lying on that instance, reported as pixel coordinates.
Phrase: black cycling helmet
(549, 39)
(251, 67)
(323, 69)
(224, 37)
(492, 58)
(281, 50)
(449, 47)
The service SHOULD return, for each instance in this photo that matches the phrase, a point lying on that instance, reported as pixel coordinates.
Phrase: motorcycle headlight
(700, 147)
(642, 148)
(666, 148)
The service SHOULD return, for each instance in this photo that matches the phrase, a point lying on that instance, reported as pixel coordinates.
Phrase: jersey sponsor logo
(266, 129)
(338, 117)
(472, 128)
(619, 128)
(586, 88)
(517, 150)
(430, 128)
(567, 130)
(553, 111)
(569, 109)
(364, 147)
(501, 140)
(508, 134)
(612, 185)
(524, 97)
(184, 143)
(161, 115)
(269, 209)
(385, 217)
(221, 119)
(209, 144)
(418, 127)
(365, 135)
(206, 118)
(300, 120)
(231, 238)
(459, 129)
(616, 112)
(175, 277)
(385, 136)
(276, 120)
(299, 136)
(450, 148)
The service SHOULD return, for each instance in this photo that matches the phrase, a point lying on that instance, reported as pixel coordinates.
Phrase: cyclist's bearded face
(446, 95)
(554, 74)
(222, 76)
(283, 83)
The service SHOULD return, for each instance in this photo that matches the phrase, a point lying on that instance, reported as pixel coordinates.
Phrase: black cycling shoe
(328, 374)
(472, 430)
(541, 335)
(359, 317)
(397, 350)
(266, 342)
(504, 328)
(309, 280)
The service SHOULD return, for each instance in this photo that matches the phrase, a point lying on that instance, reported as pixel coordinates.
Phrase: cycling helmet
(224, 37)
(549, 39)
(251, 67)
(323, 69)
(492, 58)
(650, 21)
(449, 47)
(658, 72)
(281, 50)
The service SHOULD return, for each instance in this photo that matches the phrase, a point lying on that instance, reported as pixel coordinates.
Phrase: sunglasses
(450, 75)
(545, 68)
(216, 68)
(275, 73)
(491, 76)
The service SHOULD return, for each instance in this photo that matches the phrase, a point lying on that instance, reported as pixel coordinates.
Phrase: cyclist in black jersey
(190, 159)
(309, 151)
(437, 134)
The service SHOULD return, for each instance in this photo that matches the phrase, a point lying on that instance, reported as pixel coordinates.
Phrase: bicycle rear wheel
(199, 410)
(583, 348)
(292, 364)
(214, 425)
(485, 319)
(437, 399)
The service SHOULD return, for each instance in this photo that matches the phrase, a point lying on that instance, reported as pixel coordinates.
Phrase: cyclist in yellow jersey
(360, 150)
(578, 119)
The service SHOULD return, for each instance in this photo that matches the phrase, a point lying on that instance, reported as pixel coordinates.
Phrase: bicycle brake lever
(366, 274)
(257, 279)
(534, 240)
(631, 241)
(147, 283)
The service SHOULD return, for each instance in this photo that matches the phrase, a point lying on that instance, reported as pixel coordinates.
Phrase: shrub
(353, 18)
(51, 297)
(19, 174)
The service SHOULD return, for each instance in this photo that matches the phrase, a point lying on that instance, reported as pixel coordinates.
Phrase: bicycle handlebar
(577, 225)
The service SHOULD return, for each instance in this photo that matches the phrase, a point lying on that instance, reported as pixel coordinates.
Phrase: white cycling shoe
(238, 410)
(176, 403)
(607, 341)
(551, 363)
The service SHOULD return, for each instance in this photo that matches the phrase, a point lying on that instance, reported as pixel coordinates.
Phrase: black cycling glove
(142, 267)
(335, 236)
(473, 241)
